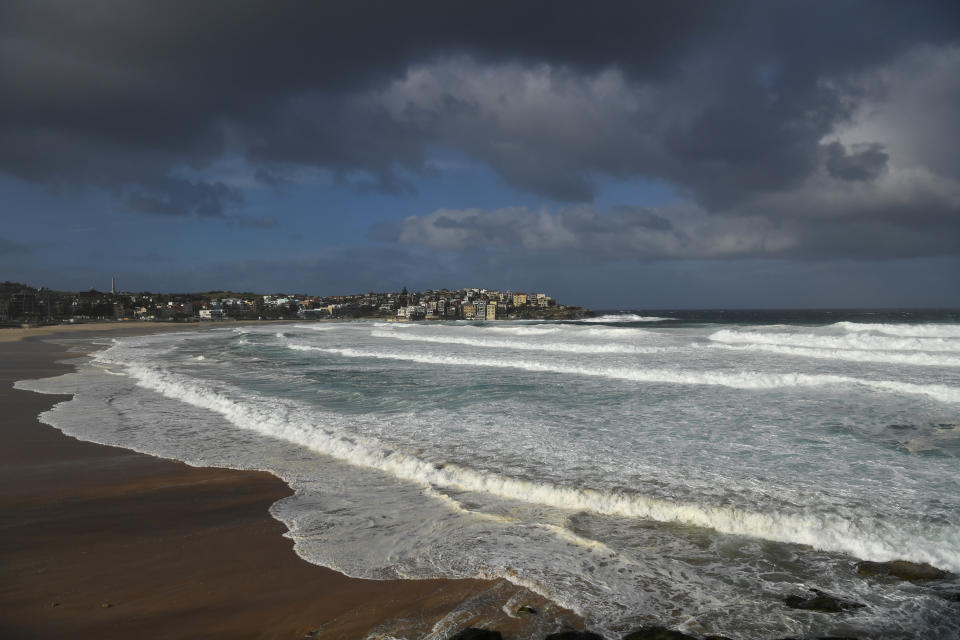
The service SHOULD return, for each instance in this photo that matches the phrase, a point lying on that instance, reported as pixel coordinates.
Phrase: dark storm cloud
(178, 197)
(677, 232)
(734, 104)
(866, 163)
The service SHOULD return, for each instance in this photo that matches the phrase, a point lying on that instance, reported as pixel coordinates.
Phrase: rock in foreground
(822, 602)
(657, 633)
(477, 634)
(901, 569)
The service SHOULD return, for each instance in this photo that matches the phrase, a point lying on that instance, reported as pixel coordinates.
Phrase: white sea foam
(859, 341)
(625, 317)
(908, 330)
(490, 343)
(738, 380)
(518, 330)
(567, 535)
(286, 420)
(619, 333)
(851, 355)
(455, 505)
(557, 485)
(315, 326)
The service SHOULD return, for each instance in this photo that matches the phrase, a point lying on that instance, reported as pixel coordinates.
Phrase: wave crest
(864, 538)
(735, 380)
(907, 330)
(860, 341)
(625, 317)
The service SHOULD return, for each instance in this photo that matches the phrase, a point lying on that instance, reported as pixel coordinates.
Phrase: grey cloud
(181, 197)
(582, 233)
(866, 163)
(143, 178)
(738, 98)
(268, 177)
(252, 222)
(723, 99)
(847, 224)
(910, 106)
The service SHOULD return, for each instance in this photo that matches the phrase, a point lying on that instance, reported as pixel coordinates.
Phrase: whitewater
(636, 468)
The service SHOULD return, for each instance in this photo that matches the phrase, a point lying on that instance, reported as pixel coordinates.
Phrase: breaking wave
(850, 355)
(909, 330)
(864, 537)
(860, 341)
(520, 331)
(561, 347)
(625, 317)
(737, 380)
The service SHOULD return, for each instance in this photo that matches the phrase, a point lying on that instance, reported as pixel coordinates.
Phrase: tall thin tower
(113, 285)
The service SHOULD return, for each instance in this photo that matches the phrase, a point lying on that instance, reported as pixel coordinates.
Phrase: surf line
(294, 423)
(741, 380)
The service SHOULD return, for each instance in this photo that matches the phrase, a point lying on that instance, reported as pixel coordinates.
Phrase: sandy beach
(102, 542)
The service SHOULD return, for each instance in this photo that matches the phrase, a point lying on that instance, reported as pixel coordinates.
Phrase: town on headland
(21, 304)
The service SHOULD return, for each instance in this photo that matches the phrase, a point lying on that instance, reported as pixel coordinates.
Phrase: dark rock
(913, 571)
(573, 635)
(878, 569)
(901, 569)
(657, 633)
(473, 633)
(823, 602)
(525, 610)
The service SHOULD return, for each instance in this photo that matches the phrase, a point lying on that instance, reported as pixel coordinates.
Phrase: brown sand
(12, 334)
(101, 542)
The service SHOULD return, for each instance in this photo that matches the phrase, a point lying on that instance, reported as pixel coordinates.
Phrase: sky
(635, 155)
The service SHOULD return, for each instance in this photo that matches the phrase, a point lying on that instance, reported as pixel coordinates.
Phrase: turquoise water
(690, 469)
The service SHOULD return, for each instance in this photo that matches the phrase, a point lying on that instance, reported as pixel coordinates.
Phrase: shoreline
(108, 543)
(119, 328)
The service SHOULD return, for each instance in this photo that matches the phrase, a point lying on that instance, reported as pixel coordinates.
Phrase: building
(491, 311)
(411, 312)
(211, 314)
(519, 299)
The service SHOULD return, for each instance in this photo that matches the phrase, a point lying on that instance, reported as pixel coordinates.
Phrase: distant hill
(8, 288)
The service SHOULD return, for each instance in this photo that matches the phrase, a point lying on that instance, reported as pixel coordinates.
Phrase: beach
(104, 542)
(699, 471)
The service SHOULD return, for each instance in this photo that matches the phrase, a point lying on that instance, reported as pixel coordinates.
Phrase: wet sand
(102, 542)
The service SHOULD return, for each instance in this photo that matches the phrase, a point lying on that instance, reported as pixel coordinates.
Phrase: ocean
(690, 469)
